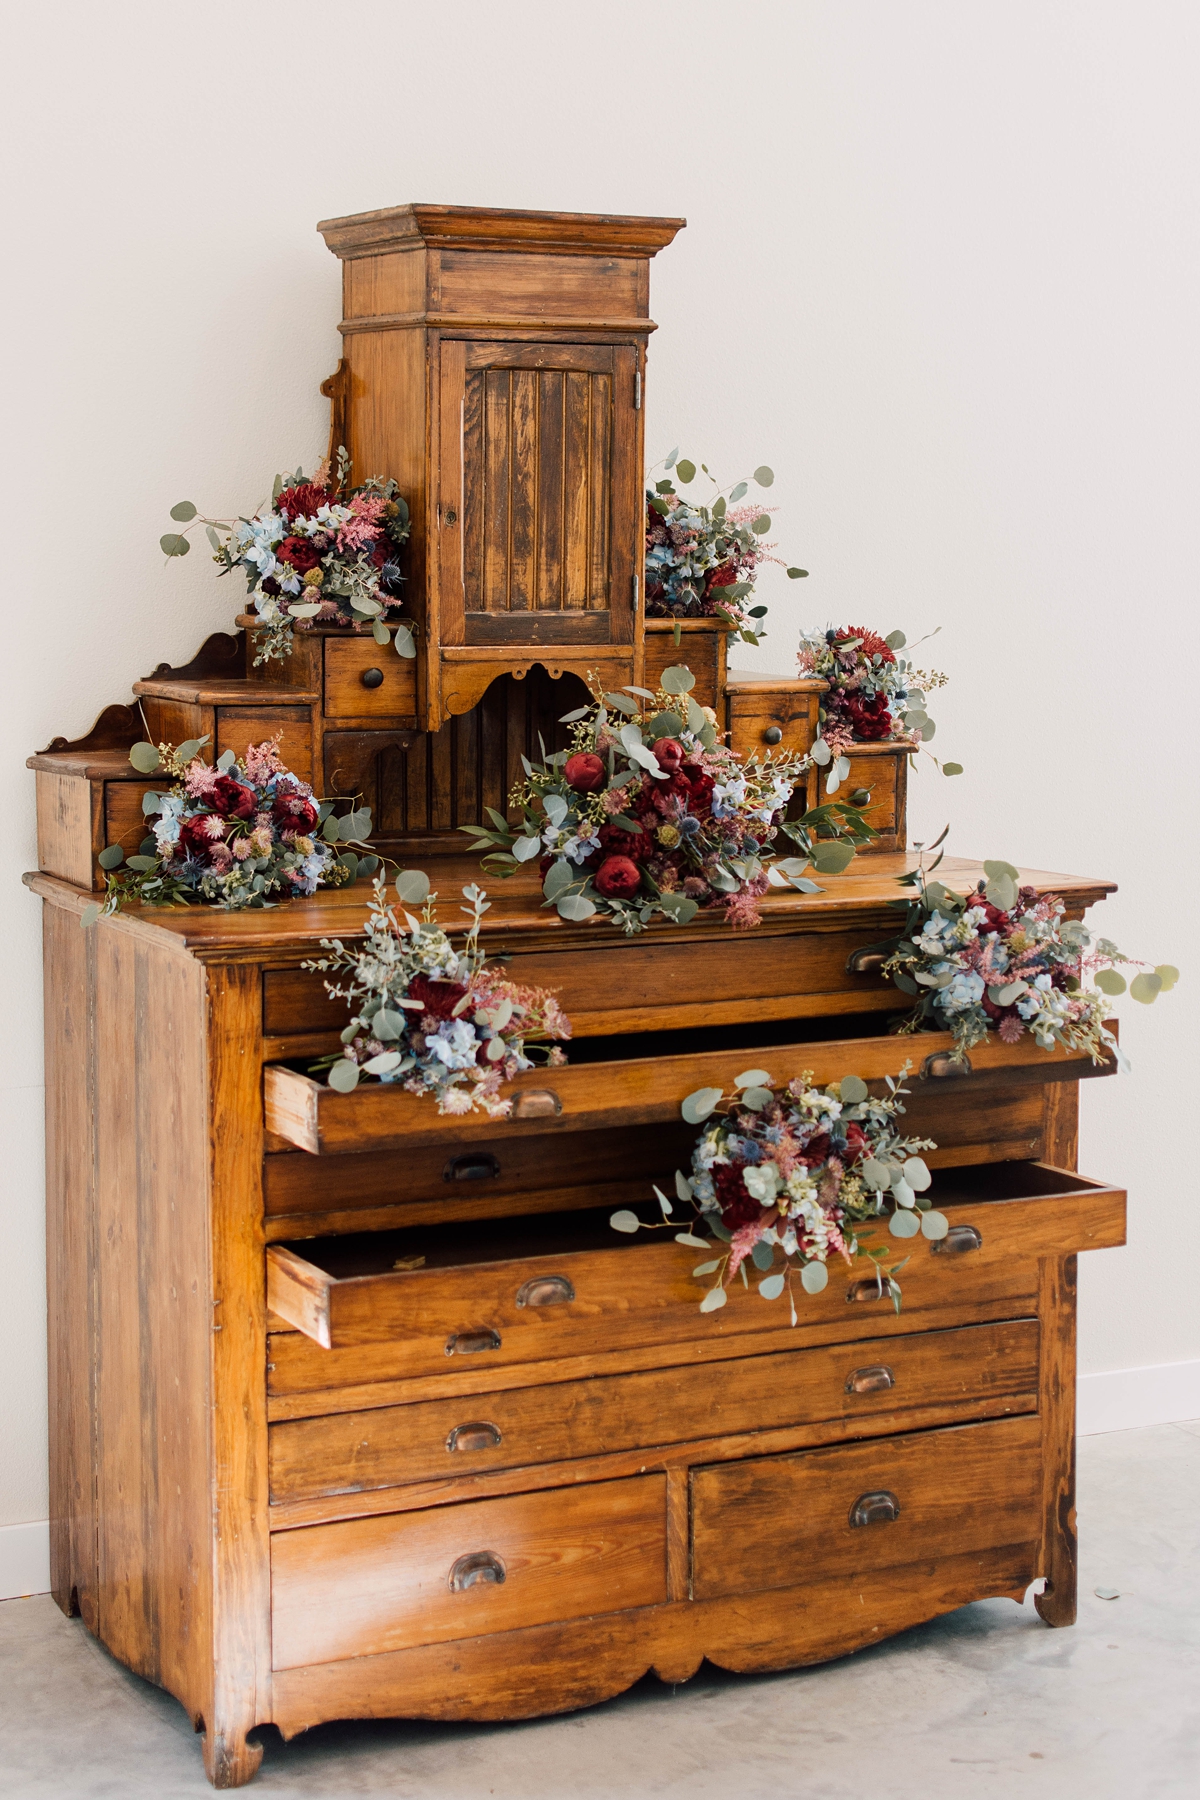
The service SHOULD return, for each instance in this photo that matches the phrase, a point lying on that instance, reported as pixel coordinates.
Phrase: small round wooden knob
(372, 678)
(772, 735)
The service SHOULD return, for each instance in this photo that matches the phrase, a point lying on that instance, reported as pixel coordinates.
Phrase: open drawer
(519, 1290)
(642, 1089)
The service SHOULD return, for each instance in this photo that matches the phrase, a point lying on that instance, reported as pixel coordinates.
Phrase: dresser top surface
(863, 898)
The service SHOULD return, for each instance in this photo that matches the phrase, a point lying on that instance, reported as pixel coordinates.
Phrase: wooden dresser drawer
(978, 1371)
(351, 688)
(372, 1585)
(862, 1510)
(594, 1095)
(567, 1288)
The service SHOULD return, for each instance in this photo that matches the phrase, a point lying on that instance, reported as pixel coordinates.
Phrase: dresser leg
(1056, 1311)
(230, 1760)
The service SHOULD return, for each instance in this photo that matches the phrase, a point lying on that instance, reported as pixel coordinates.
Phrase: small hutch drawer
(366, 680)
(863, 1510)
(368, 1586)
(570, 1286)
(978, 1371)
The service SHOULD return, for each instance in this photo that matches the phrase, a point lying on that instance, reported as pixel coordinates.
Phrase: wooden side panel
(66, 828)
(124, 820)
(70, 1261)
(1057, 1317)
(376, 1585)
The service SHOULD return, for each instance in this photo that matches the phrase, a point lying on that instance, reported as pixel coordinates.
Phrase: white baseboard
(24, 1560)
(1120, 1399)
(1117, 1400)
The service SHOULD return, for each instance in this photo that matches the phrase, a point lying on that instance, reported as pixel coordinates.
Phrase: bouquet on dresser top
(321, 552)
(233, 834)
(648, 815)
(702, 560)
(875, 696)
(1006, 959)
(434, 1018)
(799, 1174)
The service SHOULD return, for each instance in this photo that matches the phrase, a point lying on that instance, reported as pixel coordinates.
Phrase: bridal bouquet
(875, 696)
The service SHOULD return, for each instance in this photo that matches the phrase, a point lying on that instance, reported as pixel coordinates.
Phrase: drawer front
(862, 1510)
(885, 773)
(368, 1586)
(980, 1370)
(240, 726)
(641, 1091)
(366, 680)
(761, 723)
(492, 1315)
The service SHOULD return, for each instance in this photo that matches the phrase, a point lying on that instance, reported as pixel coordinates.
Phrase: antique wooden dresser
(360, 1411)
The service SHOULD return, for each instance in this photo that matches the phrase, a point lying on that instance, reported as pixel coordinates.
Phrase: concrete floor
(985, 1703)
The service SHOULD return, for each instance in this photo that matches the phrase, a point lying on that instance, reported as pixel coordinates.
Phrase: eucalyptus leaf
(895, 640)
(761, 525)
(1167, 976)
(404, 641)
(821, 753)
(699, 1104)
(111, 857)
(625, 1221)
(142, 864)
(212, 537)
(994, 869)
(388, 1025)
(183, 511)
(917, 1175)
(190, 749)
(706, 1268)
(556, 808)
(797, 574)
(412, 886)
(753, 1078)
(876, 1174)
(343, 1076)
(575, 907)
(713, 1300)
(904, 1224)
(1001, 890)
(379, 631)
(813, 1277)
(678, 679)
(771, 1286)
(902, 1194)
(670, 461)
(1145, 987)
(830, 858)
(934, 1225)
(764, 476)
(559, 877)
(685, 472)
(145, 759)
(756, 1098)
(679, 907)
(383, 1064)
(526, 848)
(90, 914)
(581, 712)
(762, 1255)
(172, 543)
(693, 1242)
(952, 768)
(853, 1090)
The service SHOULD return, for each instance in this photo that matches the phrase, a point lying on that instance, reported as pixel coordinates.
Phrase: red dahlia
(303, 501)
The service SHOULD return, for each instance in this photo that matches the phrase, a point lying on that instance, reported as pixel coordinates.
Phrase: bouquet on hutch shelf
(321, 552)
(1008, 960)
(432, 1017)
(231, 834)
(648, 815)
(702, 560)
(784, 1178)
(875, 696)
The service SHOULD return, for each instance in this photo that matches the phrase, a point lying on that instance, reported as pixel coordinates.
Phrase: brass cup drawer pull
(865, 962)
(873, 1380)
(479, 1435)
(958, 1240)
(477, 1165)
(470, 1343)
(537, 1103)
(862, 1292)
(545, 1290)
(372, 678)
(481, 1565)
(942, 1066)
(880, 1508)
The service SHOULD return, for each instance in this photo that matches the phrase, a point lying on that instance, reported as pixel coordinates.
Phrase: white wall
(940, 271)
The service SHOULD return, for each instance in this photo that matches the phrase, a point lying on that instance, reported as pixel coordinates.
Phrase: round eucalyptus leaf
(685, 471)
(173, 544)
(797, 574)
(876, 1174)
(952, 768)
(1001, 868)
(713, 1300)
(308, 609)
(698, 1105)
(934, 1224)
(343, 1076)
(1145, 987)
(917, 1175)
(90, 914)
(526, 848)
(145, 759)
(388, 1025)
(383, 1064)
(831, 858)
(753, 1078)
(575, 907)
(367, 865)
(895, 640)
(771, 1286)
(1110, 982)
(404, 643)
(762, 1255)
(761, 525)
(412, 886)
(670, 461)
(756, 1098)
(853, 1090)
(693, 1243)
(813, 1277)
(1167, 976)
(183, 511)
(821, 753)
(111, 857)
(380, 632)
(765, 477)
(904, 1224)
(150, 803)
(678, 679)
(706, 1268)
(679, 907)
(190, 749)
(902, 1194)
(625, 1221)
(142, 864)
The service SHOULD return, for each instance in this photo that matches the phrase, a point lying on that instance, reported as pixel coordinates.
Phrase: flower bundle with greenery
(649, 815)
(232, 834)
(321, 551)
(437, 1019)
(801, 1171)
(701, 561)
(875, 696)
(1008, 960)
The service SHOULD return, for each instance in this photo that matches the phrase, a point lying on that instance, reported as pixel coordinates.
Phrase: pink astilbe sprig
(263, 760)
(364, 524)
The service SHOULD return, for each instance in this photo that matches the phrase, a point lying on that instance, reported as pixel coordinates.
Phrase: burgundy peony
(725, 576)
(295, 815)
(629, 846)
(870, 718)
(231, 799)
(585, 772)
(670, 753)
(300, 553)
(303, 501)
(738, 1207)
(993, 919)
(617, 878)
(438, 997)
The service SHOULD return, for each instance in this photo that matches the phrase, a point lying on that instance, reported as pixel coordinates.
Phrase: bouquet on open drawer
(875, 696)
(649, 815)
(437, 1019)
(233, 834)
(1008, 960)
(783, 1178)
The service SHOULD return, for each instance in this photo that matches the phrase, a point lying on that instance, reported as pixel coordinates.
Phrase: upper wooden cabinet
(494, 365)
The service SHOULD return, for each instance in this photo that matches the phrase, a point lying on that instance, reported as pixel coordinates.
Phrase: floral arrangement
(800, 1171)
(875, 696)
(701, 561)
(430, 1016)
(648, 815)
(321, 550)
(233, 834)
(1006, 959)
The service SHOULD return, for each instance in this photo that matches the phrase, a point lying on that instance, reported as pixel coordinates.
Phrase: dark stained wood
(223, 656)
(1056, 1311)
(116, 729)
(347, 660)
(701, 648)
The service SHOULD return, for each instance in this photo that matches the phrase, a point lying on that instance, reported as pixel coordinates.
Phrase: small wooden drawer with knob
(767, 714)
(865, 1510)
(368, 681)
(367, 1586)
